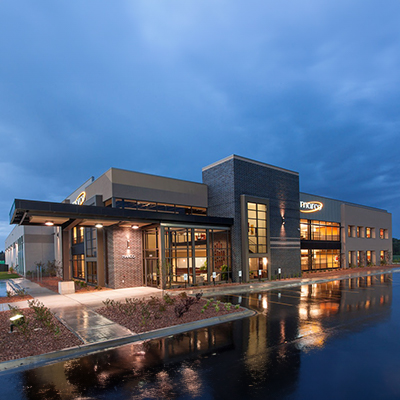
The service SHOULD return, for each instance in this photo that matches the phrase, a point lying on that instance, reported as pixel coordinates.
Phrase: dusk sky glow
(168, 87)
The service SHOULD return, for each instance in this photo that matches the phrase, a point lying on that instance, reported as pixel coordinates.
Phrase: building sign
(80, 199)
(310, 206)
(128, 256)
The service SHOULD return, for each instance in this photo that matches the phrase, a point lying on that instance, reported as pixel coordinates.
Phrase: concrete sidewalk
(76, 310)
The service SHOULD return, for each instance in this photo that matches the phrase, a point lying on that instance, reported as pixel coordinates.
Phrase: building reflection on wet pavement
(286, 351)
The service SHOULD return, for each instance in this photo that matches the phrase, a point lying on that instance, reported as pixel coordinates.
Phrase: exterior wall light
(135, 226)
(283, 221)
(99, 225)
(49, 223)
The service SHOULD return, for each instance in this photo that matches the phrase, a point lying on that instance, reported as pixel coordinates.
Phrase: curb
(87, 349)
(258, 287)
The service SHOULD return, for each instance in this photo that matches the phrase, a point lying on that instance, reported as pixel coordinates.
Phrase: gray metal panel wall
(330, 211)
(133, 185)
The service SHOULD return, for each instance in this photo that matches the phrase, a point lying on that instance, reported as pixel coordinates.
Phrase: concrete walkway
(76, 310)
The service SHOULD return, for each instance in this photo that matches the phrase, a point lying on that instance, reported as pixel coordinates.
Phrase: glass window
(91, 272)
(381, 233)
(130, 204)
(304, 229)
(78, 266)
(77, 234)
(168, 208)
(319, 230)
(186, 248)
(146, 206)
(199, 211)
(257, 265)
(369, 257)
(368, 233)
(257, 228)
(91, 242)
(320, 259)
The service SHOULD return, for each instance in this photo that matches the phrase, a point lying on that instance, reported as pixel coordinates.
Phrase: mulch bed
(159, 317)
(38, 340)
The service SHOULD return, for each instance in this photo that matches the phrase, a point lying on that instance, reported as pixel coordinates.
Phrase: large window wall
(257, 227)
(319, 230)
(320, 243)
(128, 204)
(201, 255)
(313, 259)
(257, 238)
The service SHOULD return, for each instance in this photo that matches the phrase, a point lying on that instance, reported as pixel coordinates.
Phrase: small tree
(53, 268)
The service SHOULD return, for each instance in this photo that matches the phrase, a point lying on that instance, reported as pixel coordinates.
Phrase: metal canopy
(31, 212)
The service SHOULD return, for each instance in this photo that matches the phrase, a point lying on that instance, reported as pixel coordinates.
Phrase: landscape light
(16, 320)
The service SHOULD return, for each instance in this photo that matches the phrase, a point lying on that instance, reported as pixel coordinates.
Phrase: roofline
(157, 176)
(83, 184)
(347, 202)
(262, 164)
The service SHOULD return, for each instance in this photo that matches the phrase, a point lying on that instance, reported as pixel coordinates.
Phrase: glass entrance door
(151, 272)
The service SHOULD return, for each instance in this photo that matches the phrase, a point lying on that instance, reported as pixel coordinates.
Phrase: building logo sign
(310, 206)
(80, 199)
(128, 256)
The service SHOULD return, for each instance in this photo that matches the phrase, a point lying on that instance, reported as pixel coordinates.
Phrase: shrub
(168, 299)
(184, 306)
(44, 315)
(109, 303)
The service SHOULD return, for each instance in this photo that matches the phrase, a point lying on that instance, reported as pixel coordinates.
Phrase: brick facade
(123, 271)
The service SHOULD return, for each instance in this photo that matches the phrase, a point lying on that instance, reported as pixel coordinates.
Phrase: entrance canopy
(40, 213)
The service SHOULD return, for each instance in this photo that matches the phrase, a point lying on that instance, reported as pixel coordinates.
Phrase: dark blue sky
(167, 87)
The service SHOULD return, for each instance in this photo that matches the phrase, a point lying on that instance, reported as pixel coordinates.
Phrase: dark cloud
(169, 87)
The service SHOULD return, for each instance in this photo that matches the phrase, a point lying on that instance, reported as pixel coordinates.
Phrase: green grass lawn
(6, 275)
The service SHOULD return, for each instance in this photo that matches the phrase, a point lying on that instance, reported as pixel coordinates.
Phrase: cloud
(169, 87)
